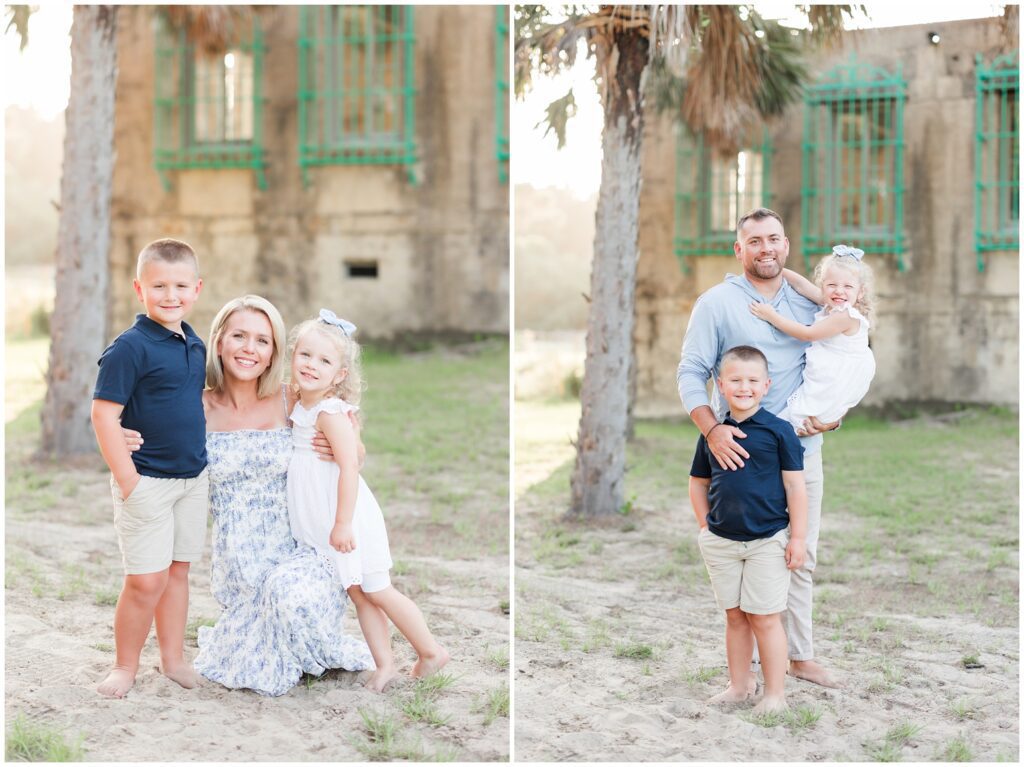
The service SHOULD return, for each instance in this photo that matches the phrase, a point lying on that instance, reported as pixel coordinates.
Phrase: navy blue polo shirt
(158, 375)
(750, 503)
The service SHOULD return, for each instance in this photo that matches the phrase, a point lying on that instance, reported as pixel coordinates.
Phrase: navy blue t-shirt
(750, 503)
(158, 375)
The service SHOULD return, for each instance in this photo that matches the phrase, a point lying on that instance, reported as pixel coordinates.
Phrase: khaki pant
(161, 521)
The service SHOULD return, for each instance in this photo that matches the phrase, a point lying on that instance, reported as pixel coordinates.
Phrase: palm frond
(557, 116)
(18, 18)
(214, 28)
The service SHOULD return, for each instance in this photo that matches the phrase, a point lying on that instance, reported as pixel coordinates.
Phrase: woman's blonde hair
(351, 387)
(865, 303)
(270, 380)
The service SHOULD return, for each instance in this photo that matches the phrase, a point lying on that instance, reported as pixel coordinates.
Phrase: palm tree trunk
(597, 480)
(78, 328)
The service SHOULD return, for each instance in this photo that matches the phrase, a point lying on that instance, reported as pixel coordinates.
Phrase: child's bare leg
(132, 618)
(171, 615)
(408, 619)
(739, 649)
(771, 641)
(374, 624)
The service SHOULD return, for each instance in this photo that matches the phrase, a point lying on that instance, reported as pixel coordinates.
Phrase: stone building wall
(441, 245)
(945, 331)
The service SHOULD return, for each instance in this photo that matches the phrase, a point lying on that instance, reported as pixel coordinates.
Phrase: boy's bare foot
(380, 679)
(812, 671)
(180, 672)
(118, 682)
(732, 695)
(430, 664)
(770, 706)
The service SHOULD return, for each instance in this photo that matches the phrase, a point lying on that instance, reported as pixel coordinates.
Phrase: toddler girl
(329, 505)
(840, 365)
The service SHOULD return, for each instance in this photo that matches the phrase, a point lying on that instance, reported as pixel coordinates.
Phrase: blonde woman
(282, 609)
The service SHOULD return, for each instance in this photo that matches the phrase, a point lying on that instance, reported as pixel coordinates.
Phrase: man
(721, 319)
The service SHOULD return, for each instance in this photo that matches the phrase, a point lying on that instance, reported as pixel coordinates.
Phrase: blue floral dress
(282, 607)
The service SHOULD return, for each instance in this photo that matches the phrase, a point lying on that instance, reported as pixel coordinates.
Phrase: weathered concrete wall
(441, 245)
(945, 332)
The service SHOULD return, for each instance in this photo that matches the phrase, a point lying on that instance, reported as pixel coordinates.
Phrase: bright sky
(537, 161)
(39, 76)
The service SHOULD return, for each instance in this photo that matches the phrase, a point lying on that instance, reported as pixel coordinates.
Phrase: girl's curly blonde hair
(865, 303)
(351, 387)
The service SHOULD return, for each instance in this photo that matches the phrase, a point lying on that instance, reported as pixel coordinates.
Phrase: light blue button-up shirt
(720, 320)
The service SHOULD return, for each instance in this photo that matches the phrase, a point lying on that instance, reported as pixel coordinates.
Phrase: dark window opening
(364, 269)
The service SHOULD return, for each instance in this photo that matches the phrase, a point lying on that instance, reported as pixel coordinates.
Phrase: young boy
(151, 379)
(743, 522)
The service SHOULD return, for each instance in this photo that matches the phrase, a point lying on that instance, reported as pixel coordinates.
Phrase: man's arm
(796, 501)
(106, 421)
(721, 438)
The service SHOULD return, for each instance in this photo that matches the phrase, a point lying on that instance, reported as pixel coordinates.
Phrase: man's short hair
(758, 214)
(744, 354)
(169, 251)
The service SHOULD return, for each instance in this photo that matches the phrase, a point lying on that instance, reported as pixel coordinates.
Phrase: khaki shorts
(162, 520)
(751, 575)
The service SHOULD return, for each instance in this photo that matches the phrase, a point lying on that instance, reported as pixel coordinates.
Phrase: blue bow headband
(329, 317)
(848, 250)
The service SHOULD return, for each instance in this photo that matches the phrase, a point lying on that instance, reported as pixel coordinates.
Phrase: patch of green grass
(435, 683)
(34, 742)
(106, 597)
(768, 719)
(73, 583)
(803, 717)
(495, 704)
(969, 660)
(598, 637)
(422, 707)
(103, 647)
(421, 411)
(192, 629)
(902, 733)
(499, 658)
(957, 750)
(962, 709)
(378, 743)
(635, 650)
(702, 675)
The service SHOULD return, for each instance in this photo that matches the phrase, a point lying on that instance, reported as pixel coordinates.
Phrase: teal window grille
(714, 188)
(852, 188)
(208, 105)
(996, 157)
(356, 86)
(501, 91)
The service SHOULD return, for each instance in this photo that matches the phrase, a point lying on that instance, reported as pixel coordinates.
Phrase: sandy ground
(62, 563)
(619, 644)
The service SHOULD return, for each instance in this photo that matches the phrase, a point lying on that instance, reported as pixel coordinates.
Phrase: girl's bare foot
(770, 706)
(380, 678)
(118, 682)
(430, 664)
(731, 695)
(180, 672)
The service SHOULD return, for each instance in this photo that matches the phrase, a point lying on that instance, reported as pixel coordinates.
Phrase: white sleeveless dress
(837, 374)
(313, 502)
